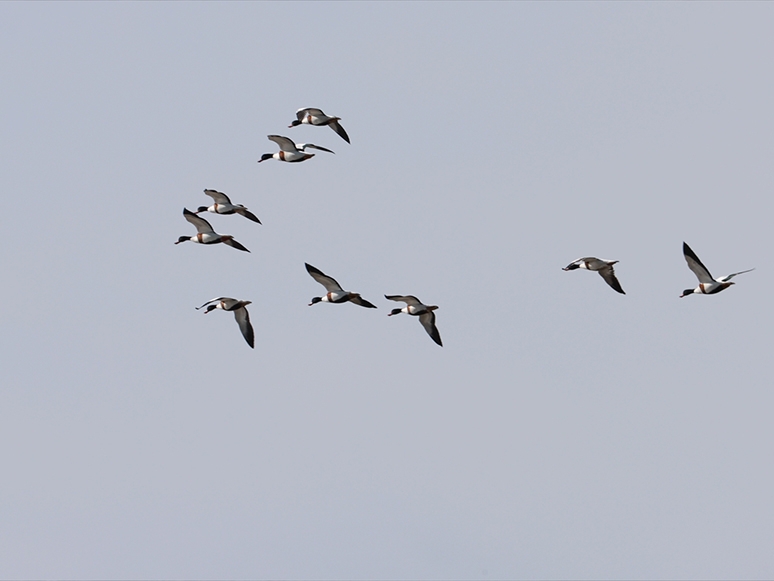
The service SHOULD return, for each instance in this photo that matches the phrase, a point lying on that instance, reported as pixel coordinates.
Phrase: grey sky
(563, 431)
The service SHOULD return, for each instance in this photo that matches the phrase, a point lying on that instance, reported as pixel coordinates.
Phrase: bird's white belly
(292, 155)
(708, 287)
(334, 296)
(207, 237)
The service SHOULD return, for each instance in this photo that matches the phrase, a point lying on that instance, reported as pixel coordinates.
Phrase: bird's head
(183, 239)
(265, 156)
(315, 300)
(572, 266)
(201, 209)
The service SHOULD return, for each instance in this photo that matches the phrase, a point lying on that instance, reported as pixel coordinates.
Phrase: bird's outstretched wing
(575, 264)
(202, 225)
(213, 301)
(328, 282)
(701, 271)
(410, 300)
(219, 197)
(248, 214)
(339, 130)
(358, 300)
(234, 244)
(314, 112)
(243, 320)
(305, 146)
(285, 143)
(428, 322)
(730, 276)
(609, 275)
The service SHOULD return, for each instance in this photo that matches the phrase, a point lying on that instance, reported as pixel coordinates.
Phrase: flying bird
(223, 205)
(603, 267)
(335, 293)
(240, 314)
(289, 151)
(205, 233)
(417, 309)
(312, 116)
(707, 284)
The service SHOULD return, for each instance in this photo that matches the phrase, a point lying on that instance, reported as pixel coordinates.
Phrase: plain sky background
(563, 431)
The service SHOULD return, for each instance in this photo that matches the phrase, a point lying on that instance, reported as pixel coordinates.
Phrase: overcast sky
(563, 430)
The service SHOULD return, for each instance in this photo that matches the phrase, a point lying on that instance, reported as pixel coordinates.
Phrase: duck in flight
(289, 151)
(312, 116)
(205, 233)
(223, 205)
(240, 314)
(335, 293)
(603, 267)
(415, 307)
(707, 284)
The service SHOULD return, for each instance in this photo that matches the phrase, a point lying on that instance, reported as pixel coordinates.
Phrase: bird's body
(223, 205)
(603, 267)
(290, 151)
(707, 284)
(415, 308)
(313, 116)
(240, 314)
(335, 293)
(205, 234)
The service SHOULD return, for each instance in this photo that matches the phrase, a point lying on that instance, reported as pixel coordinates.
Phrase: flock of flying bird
(707, 284)
(293, 153)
